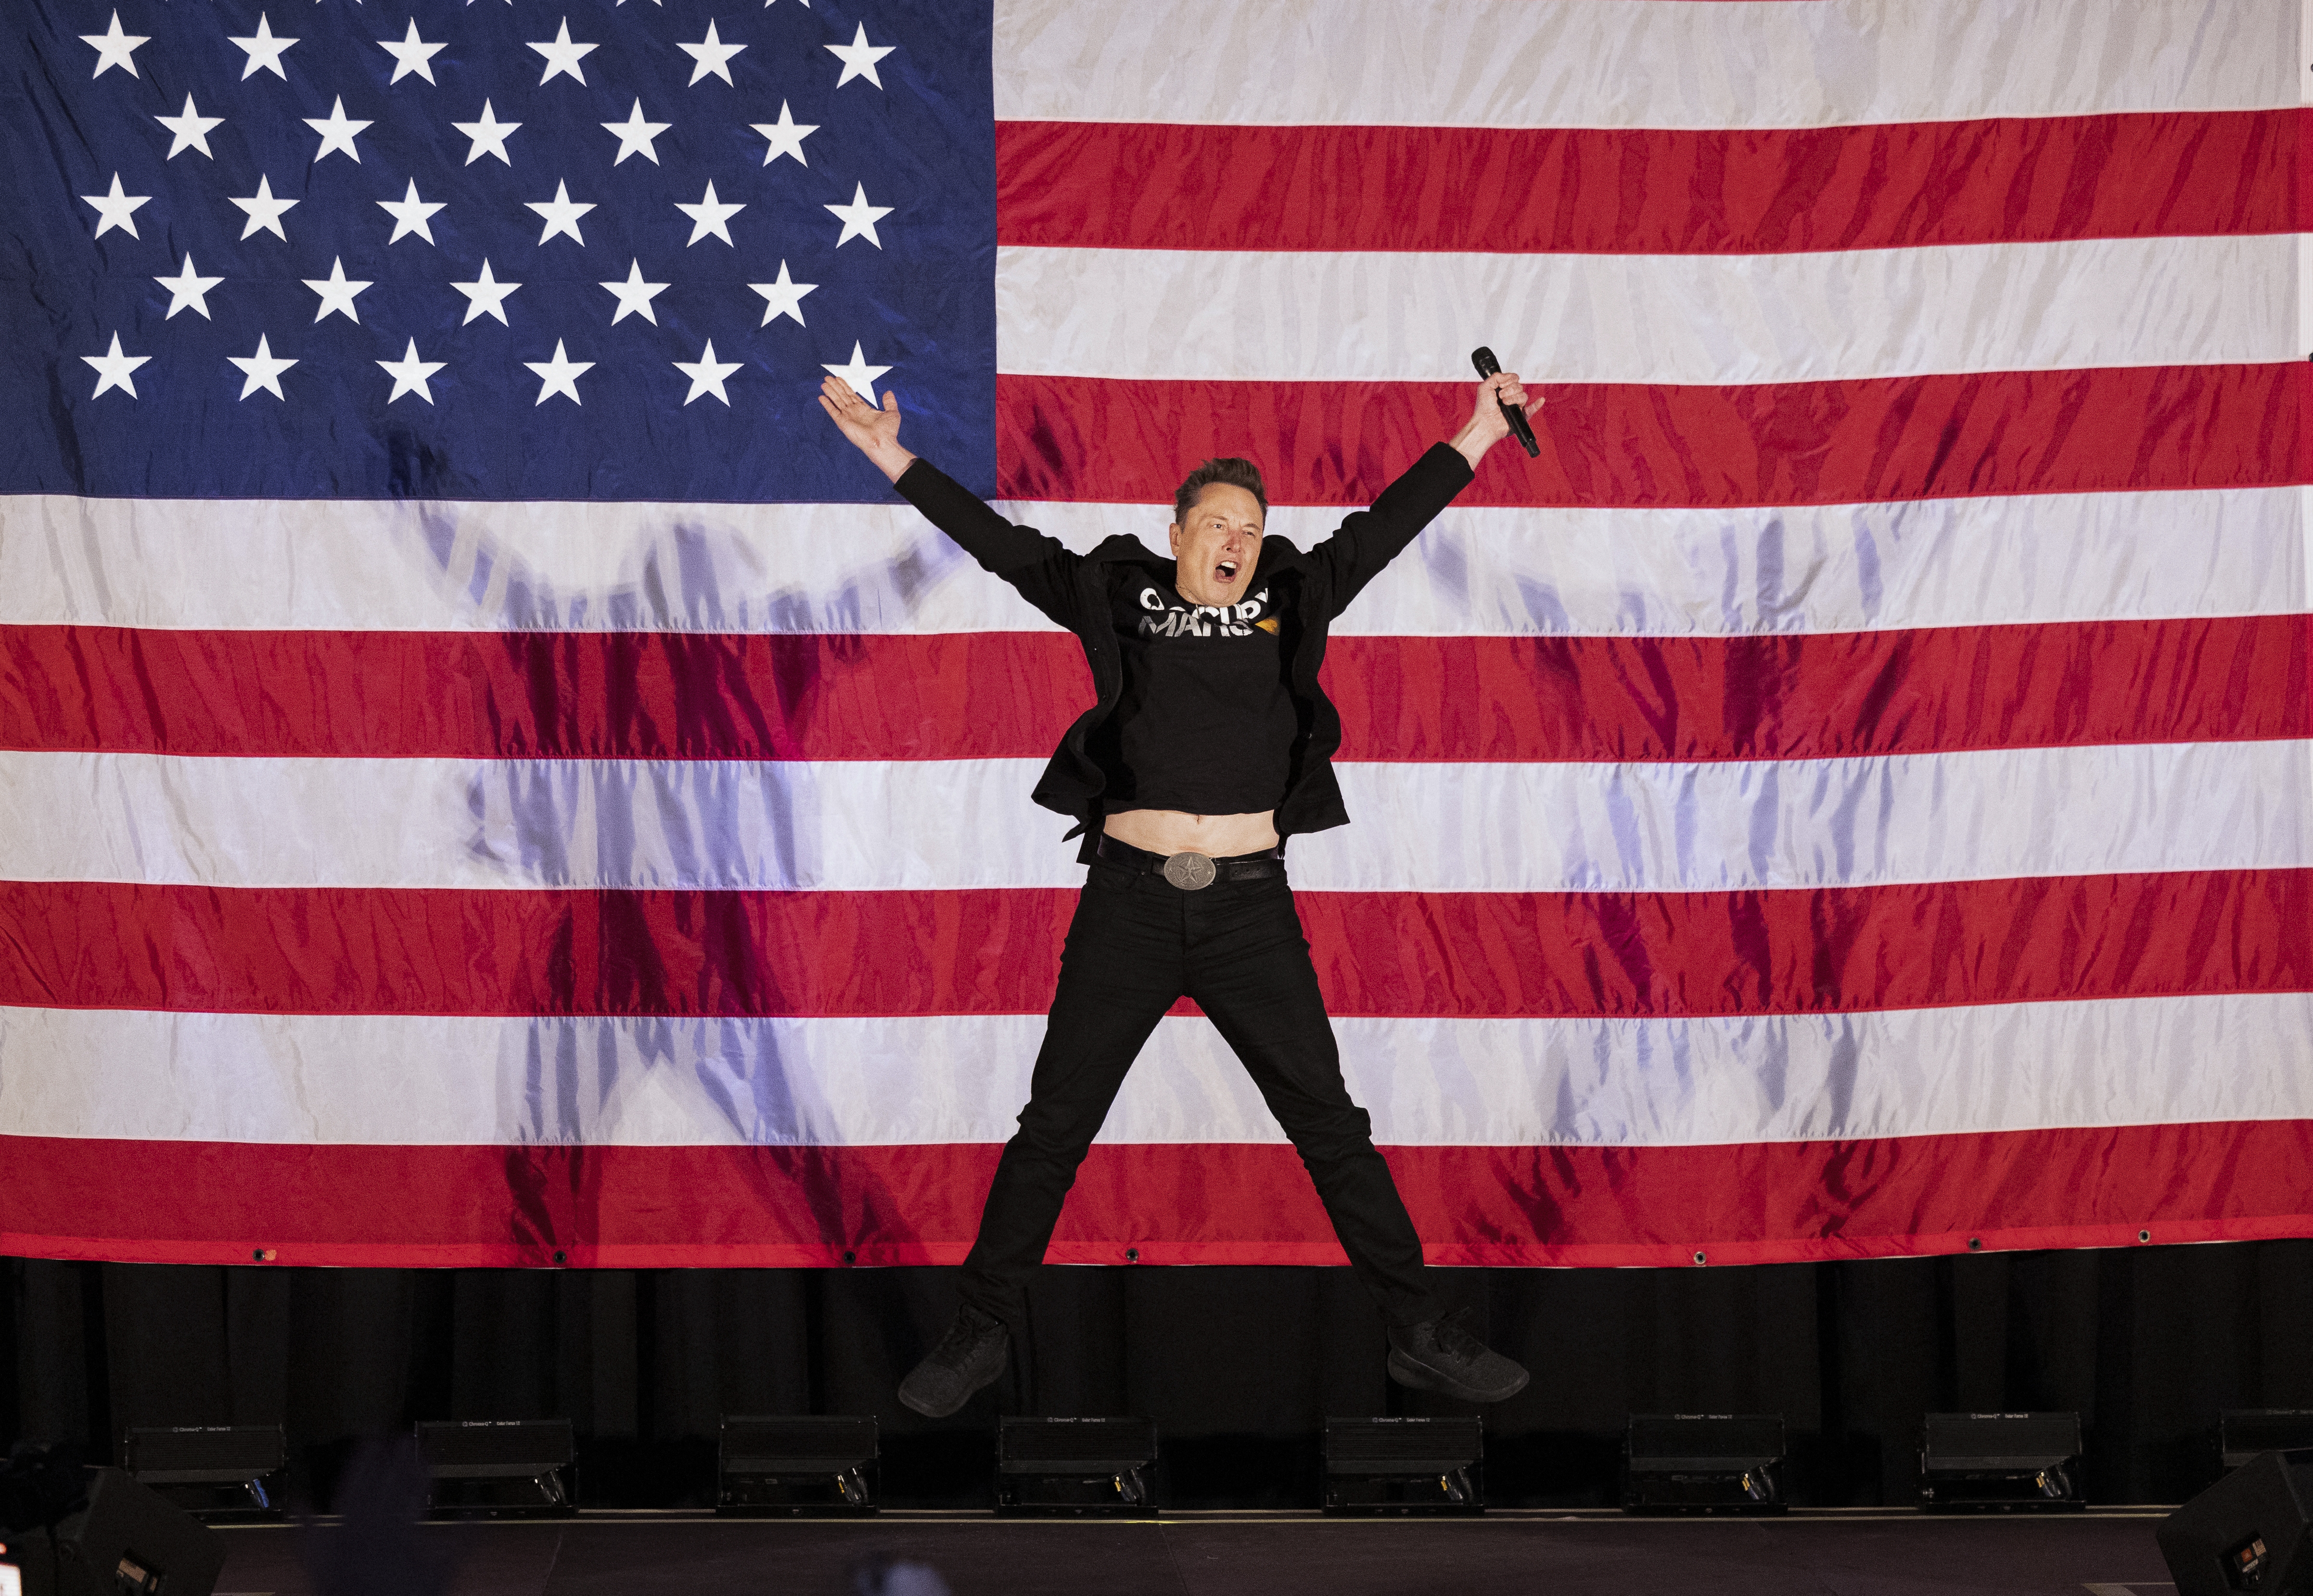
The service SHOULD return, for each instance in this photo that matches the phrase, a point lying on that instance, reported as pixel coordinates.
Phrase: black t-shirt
(1206, 724)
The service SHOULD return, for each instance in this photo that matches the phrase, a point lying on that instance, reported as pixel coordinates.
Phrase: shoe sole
(1406, 1371)
(931, 1411)
(918, 1405)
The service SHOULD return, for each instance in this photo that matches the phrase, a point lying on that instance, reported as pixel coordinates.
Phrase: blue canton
(237, 266)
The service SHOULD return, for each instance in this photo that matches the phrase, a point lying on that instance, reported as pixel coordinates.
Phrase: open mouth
(1225, 570)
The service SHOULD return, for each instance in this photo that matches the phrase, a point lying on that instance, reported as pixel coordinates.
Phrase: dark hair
(1228, 469)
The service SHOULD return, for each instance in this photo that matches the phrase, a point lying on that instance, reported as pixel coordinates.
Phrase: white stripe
(876, 826)
(1274, 316)
(1636, 62)
(395, 565)
(428, 1079)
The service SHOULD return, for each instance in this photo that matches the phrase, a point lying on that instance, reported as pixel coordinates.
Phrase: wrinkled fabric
(1264, 316)
(1170, 185)
(1707, 826)
(853, 572)
(835, 1080)
(1573, 64)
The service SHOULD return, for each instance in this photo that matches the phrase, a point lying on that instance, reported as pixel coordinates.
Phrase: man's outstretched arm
(1370, 538)
(877, 433)
(1040, 567)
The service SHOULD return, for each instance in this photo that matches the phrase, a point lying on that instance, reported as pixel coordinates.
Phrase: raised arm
(1487, 426)
(1370, 538)
(877, 433)
(1043, 568)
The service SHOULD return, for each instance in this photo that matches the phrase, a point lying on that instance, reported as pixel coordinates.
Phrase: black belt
(1190, 871)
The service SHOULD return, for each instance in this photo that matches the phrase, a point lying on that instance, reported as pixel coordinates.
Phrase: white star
(261, 370)
(188, 287)
(486, 295)
(413, 54)
(634, 136)
(114, 49)
(859, 58)
(559, 375)
(488, 136)
(264, 210)
(562, 56)
(337, 292)
(859, 375)
(562, 214)
(709, 216)
(708, 374)
(784, 297)
(786, 136)
(192, 130)
(411, 215)
(116, 209)
(336, 133)
(859, 217)
(112, 369)
(711, 53)
(410, 374)
(635, 295)
(263, 50)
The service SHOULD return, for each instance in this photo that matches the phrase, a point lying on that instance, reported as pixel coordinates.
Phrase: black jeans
(1136, 944)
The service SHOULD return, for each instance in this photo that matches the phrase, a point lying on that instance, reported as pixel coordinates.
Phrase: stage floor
(2106, 1552)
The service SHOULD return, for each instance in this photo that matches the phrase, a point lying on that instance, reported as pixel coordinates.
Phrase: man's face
(1219, 545)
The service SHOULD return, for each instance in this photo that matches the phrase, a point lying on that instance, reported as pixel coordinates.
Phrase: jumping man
(1210, 743)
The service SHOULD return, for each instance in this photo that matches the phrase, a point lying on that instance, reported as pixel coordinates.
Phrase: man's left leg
(1249, 969)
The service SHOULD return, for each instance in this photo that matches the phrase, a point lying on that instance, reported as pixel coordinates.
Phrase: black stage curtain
(1239, 1366)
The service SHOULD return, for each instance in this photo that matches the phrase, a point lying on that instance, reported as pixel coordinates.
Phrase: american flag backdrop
(488, 777)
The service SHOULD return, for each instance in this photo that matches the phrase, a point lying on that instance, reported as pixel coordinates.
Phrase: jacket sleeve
(1043, 569)
(1371, 538)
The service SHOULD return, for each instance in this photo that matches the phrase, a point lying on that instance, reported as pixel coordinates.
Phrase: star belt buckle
(1190, 871)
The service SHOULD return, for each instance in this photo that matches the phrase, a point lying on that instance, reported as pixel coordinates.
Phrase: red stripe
(78, 944)
(1650, 190)
(553, 695)
(634, 1207)
(1642, 445)
(1825, 696)
(1011, 694)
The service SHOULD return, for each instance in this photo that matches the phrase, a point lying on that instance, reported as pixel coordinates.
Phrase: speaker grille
(1403, 1445)
(203, 1455)
(1686, 1442)
(1025, 1445)
(795, 1445)
(484, 1449)
(1998, 1443)
(2246, 1432)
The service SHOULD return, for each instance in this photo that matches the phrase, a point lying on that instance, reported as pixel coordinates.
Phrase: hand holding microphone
(1488, 366)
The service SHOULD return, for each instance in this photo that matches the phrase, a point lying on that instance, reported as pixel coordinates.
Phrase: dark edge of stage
(2101, 1551)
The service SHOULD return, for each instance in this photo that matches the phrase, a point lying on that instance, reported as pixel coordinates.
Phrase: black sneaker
(969, 1357)
(1441, 1356)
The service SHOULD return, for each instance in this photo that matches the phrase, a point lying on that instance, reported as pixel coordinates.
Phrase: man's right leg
(1120, 971)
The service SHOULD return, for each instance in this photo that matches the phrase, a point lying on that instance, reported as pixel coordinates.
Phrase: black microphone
(1488, 366)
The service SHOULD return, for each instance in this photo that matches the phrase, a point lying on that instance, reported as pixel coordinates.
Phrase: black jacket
(1310, 588)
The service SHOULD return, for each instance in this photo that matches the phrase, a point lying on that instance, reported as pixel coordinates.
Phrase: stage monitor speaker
(1404, 1466)
(1703, 1462)
(1076, 1466)
(216, 1473)
(2000, 1461)
(796, 1468)
(2242, 1433)
(2252, 1530)
(499, 1468)
(127, 1542)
